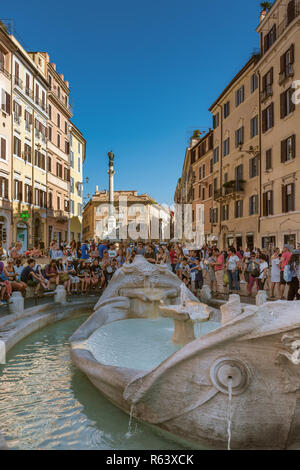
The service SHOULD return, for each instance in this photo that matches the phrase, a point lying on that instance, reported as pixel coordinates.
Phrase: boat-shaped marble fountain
(151, 348)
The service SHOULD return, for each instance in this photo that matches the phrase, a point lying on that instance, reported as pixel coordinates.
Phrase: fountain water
(129, 431)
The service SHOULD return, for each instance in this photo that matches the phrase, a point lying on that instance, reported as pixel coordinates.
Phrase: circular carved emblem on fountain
(232, 371)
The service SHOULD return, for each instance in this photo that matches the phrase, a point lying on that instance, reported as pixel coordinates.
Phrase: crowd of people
(88, 266)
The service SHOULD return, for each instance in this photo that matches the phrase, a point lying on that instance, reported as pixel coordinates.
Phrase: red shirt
(285, 258)
(220, 260)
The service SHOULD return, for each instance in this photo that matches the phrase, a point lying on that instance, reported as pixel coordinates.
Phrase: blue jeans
(233, 279)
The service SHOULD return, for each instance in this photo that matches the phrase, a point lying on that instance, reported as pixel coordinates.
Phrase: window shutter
(5, 188)
(8, 103)
(265, 204)
(271, 76)
(282, 63)
(264, 121)
(20, 190)
(283, 151)
(3, 148)
(264, 82)
(284, 206)
(293, 196)
(272, 115)
(290, 98)
(282, 105)
(292, 54)
(294, 145)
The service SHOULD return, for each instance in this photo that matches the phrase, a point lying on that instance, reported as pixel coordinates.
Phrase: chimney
(67, 84)
(97, 189)
(54, 66)
(61, 76)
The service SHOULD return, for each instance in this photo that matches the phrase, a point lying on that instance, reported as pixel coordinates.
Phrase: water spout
(229, 414)
(129, 431)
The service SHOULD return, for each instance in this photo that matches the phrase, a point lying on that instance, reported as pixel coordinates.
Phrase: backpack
(287, 273)
(254, 270)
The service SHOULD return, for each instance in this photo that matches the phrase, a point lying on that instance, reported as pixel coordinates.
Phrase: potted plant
(266, 6)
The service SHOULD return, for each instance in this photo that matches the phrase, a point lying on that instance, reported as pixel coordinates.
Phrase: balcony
(29, 93)
(61, 216)
(40, 103)
(266, 93)
(18, 82)
(61, 100)
(288, 73)
(231, 190)
(4, 71)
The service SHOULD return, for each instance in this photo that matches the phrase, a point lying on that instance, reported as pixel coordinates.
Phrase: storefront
(22, 235)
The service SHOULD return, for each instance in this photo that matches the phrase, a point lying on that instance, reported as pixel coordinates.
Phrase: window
(3, 187)
(203, 193)
(50, 200)
(291, 14)
(72, 185)
(79, 206)
(253, 167)
(66, 127)
(66, 174)
(239, 137)
(58, 140)
(215, 183)
(28, 193)
(240, 96)
(67, 147)
(79, 165)
(226, 146)
(225, 212)
(58, 120)
(286, 103)
(2, 61)
(211, 165)
(67, 206)
(254, 127)
(18, 190)
(269, 159)
(5, 101)
(27, 153)
(59, 170)
(238, 210)
(216, 120)
(286, 64)
(72, 207)
(49, 163)
(3, 148)
(203, 171)
(268, 203)
(270, 38)
(200, 172)
(267, 82)
(79, 147)
(213, 216)
(254, 82)
(253, 205)
(17, 146)
(239, 173)
(210, 188)
(50, 133)
(72, 159)
(226, 109)
(268, 118)
(58, 203)
(216, 155)
(288, 197)
(288, 149)
(50, 111)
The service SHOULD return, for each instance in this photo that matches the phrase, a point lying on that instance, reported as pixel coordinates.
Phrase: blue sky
(142, 75)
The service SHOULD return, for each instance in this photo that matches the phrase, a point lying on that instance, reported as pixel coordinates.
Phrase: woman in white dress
(275, 272)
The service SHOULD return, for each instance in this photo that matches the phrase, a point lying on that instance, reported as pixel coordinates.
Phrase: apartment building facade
(29, 148)
(278, 68)
(5, 140)
(236, 188)
(77, 158)
(256, 138)
(202, 192)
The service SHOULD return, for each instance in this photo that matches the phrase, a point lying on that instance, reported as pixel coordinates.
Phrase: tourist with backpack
(292, 271)
(254, 272)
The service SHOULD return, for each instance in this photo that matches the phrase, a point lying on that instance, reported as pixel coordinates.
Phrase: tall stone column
(111, 223)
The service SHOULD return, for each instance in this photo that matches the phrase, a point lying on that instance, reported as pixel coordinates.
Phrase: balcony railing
(18, 82)
(230, 189)
(266, 93)
(4, 71)
(288, 72)
(61, 99)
